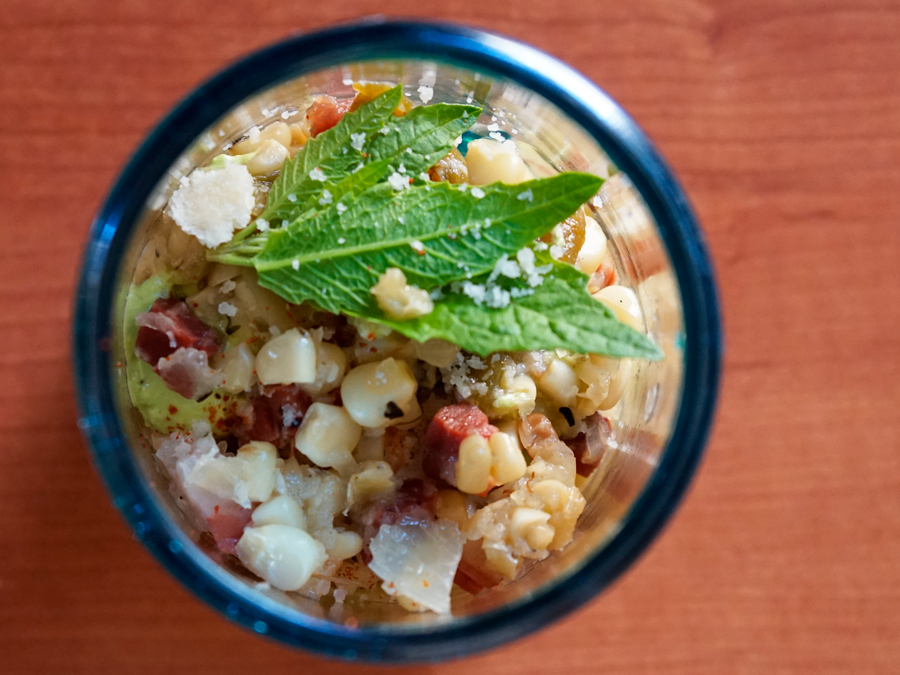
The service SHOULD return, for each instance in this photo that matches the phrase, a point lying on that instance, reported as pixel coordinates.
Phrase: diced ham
(589, 446)
(474, 574)
(325, 112)
(274, 415)
(414, 502)
(170, 325)
(186, 371)
(227, 523)
(446, 432)
(224, 518)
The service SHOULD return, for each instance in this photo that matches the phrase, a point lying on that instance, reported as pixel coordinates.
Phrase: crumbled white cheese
(398, 181)
(262, 224)
(292, 198)
(326, 198)
(526, 196)
(477, 192)
(424, 176)
(506, 267)
(295, 264)
(357, 141)
(525, 256)
(357, 167)
(212, 204)
(417, 246)
(425, 93)
(227, 309)
(341, 240)
(317, 174)
(541, 246)
(228, 285)
(340, 208)
(401, 169)
(398, 299)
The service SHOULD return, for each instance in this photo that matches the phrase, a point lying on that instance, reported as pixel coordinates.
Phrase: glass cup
(561, 121)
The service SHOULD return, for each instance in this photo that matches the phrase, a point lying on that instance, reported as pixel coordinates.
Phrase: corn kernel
(559, 383)
(473, 468)
(590, 256)
(328, 436)
(346, 545)
(524, 518)
(289, 358)
(280, 510)
(330, 369)
(380, 394)
(508, 462)
(623, 302)
(269, 158)
(284, 556)
(489, 161)
(398, 299)
(368, 481)
(451, 505)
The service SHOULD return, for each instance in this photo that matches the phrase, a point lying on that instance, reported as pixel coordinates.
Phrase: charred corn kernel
(593, 249)
(623, 302)
(523, 519)
(237, 369)
(507, 460)
(284, 556)
(277, 131)
(398, 299)
(289, 358)
(280, 510)
(553, 493)
(436, 352)
(299, 133)
(559, 383)
(379, 394)
(346, 545)
(368, 481)
(330, 369)
(451, 505)
(327, 437)
(269, 158)
(473, 468)
(489, 161)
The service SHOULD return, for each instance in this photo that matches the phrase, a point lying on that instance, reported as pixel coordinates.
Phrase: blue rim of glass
(370, 39)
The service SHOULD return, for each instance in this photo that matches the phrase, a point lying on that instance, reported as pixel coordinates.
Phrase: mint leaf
(560, 314)
(331, 152)
(435, 233)
(409, 145)
(422, 136)
(414, 142)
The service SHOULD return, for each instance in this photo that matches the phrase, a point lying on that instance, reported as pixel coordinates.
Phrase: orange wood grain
(782, 118)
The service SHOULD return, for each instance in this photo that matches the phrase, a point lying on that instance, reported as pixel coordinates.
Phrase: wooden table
(782, 119)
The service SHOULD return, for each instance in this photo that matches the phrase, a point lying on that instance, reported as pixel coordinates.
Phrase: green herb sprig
(355, 202)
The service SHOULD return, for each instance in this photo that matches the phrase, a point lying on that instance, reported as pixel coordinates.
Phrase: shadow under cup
(561, 123)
